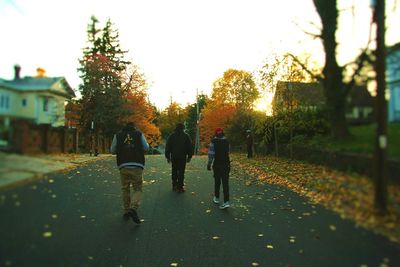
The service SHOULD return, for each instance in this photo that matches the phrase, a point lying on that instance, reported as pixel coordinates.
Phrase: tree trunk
(334, 87)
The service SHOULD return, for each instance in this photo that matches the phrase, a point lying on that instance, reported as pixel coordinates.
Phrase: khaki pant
(131, 177)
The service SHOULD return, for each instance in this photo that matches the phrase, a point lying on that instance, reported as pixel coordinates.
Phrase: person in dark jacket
(249, 144)
(129, 144)
(218, 159)
(178, 151)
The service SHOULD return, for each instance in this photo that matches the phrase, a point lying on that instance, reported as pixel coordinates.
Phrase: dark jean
(221, 174)
(178, 172)
(250, 152)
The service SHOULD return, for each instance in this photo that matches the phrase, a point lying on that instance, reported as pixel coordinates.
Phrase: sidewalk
(18, 169)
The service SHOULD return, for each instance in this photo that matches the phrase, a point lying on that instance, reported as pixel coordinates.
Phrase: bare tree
(333, 77)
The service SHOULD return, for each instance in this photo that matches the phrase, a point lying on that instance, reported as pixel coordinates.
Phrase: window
(45, 104)
(24, 102)
(4, 102)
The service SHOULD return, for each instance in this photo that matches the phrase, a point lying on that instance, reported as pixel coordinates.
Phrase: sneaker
(216, 200)
(126, 216)
(180, 190)
(134, 216)
(225, 205)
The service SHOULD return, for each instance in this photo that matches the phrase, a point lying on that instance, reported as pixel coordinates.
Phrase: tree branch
(314, 35)
(315, 76)
(361, 59)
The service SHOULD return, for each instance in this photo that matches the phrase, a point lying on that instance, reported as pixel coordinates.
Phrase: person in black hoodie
(218, 159)
(129, 144)
(178, 151)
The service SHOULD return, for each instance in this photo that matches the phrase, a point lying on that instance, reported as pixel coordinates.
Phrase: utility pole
(197, 141)
(380, 171)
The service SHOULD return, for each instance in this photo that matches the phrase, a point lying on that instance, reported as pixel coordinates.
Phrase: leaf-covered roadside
(349, 195)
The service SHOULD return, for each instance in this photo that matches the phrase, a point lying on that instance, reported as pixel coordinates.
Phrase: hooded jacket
(179, 145)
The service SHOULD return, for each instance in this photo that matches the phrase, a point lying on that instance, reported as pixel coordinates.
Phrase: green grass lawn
(362, 140)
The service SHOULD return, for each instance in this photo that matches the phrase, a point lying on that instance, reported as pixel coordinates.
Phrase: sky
(181, 46)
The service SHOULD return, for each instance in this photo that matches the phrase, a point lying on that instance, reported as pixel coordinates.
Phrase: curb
(20, 177)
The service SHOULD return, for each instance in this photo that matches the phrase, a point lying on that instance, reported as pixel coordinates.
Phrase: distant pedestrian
(178, 151)
(129, 144)
(249, 144)
(218, 160)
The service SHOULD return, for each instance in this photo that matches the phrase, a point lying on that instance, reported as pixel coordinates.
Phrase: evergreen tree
(101, 70)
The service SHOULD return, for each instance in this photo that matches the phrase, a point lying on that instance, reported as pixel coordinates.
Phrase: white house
(393, 82)
(39, 99)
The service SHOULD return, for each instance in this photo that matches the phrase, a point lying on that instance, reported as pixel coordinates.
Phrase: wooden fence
(29, 138)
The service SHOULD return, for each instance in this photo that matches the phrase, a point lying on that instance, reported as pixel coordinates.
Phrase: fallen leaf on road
(47, 234)
(349, 195)
(332, 227)
(255, 264)
(90, 258)
(260, 235)
(174, 264)
(270, 246)
(215, 237)
(208, 211)
(54, 216)
(78, 172)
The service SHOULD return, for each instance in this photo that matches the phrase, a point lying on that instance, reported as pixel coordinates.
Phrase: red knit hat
(219, 130)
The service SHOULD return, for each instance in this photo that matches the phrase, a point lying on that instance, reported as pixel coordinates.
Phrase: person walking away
(129, 145)
(178, 151)
(218, 160)
(249, 144)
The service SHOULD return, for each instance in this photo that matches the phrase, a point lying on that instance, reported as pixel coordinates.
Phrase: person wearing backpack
(129, 145)
(178, 151)
(219, 161)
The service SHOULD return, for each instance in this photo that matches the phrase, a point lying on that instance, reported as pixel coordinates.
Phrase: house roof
(29, 84)
(313, 94)
(304, 93)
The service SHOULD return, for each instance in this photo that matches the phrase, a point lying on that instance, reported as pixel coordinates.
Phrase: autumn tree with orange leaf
(236, 87)
(234, 92)
(137, 108)
(215, 114)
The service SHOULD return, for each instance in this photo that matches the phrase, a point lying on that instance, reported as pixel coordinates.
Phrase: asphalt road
(75, 219)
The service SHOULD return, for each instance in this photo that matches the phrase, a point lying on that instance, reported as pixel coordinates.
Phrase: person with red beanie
(218, 160)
